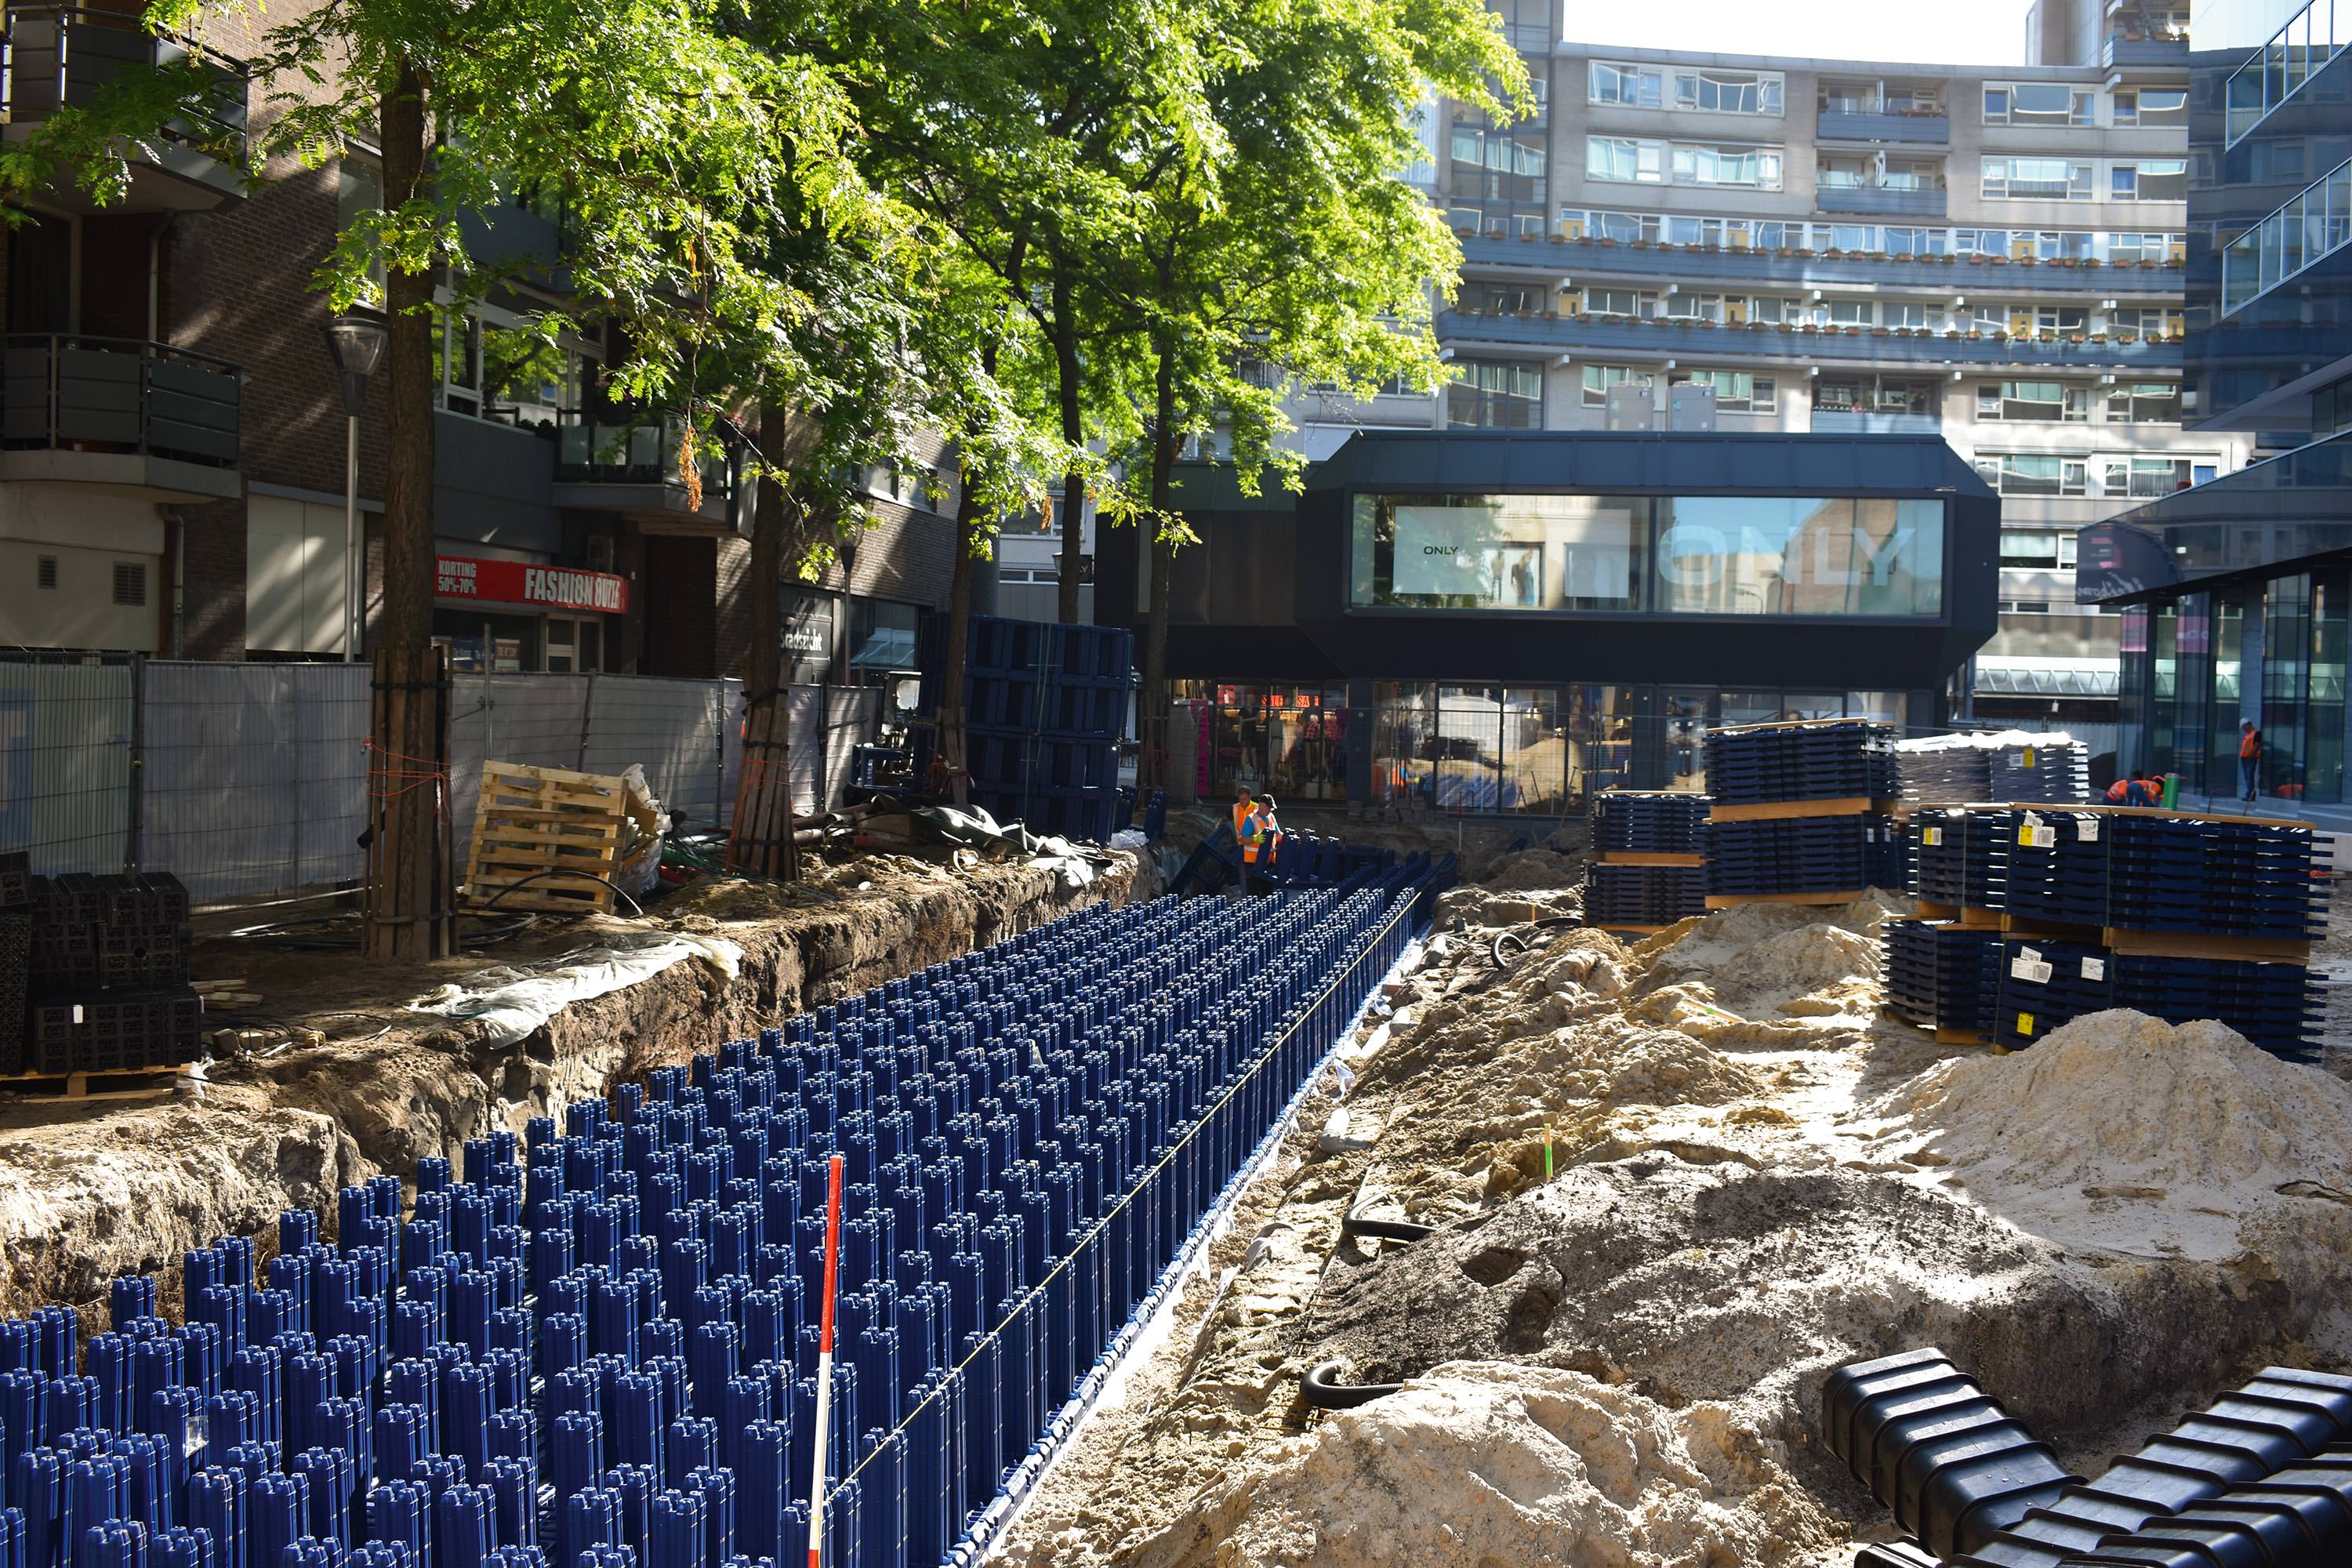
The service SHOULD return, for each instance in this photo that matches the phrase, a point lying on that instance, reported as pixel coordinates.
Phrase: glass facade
(1712, 555)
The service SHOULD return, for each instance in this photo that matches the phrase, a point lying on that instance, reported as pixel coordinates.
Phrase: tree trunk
(759, 837)
(951, 747)
(1074, 483)
(1153, 720)
(410, 874)
(408, 387)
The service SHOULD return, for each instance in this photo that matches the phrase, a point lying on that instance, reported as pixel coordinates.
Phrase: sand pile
(1765, 961)
(2120, 1130)
(1482, 1463)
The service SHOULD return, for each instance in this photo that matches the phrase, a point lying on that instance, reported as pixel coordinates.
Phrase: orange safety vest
(2117, 790)
(2251, 744)
(1248, 829)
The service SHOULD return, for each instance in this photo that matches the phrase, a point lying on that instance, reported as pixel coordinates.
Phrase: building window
(131, 584)
(2145, 320)
(1599, 378)
(2149, 180)
(2048, 320)
(1735, 391)
(1850, 314)
(1874, 397)
(44, 572)
(2152, 106)
(1624, 160)
(2039, 103)
(1526, 24)
(1501, 171)
(2034, 473)
(1617, 302)
(2144, 402)
(1496, 394)
(2046, 549)
(2048, 401)
(1636, 87)
(1895, 313)
(2036, 180)
(1695, 308)
(1720, 555)
(1508, 298)
(1758, 168)
(2145, 479)
(1728, 92)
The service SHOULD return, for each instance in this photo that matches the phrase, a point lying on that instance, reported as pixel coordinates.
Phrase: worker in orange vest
(1269, 830)
(1249, 826)
(2250, 755)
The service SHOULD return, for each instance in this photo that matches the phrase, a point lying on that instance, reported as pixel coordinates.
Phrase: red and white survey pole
(824, 1362)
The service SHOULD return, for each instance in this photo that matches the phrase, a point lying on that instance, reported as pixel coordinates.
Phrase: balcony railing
(1691, 263)
(1934, 128)
(2129, 51)
(635, 452)
(1707, 341)
(61, 392)
(1874, 422)
(1885, 200)
(59, 57)
(2295, 53)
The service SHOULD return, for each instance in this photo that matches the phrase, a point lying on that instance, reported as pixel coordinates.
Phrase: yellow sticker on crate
(2028, 759)
(2025, 1024)
(1932, 837)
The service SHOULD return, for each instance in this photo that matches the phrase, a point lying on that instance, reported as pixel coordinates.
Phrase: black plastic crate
(1629, 822)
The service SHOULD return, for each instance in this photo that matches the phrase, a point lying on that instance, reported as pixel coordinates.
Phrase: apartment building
(1746, 243)
(172, 433)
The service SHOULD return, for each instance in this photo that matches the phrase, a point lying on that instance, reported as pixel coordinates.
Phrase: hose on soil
(1511, 944)
(1318, 1389)
(335, 933)
(1383, 1229)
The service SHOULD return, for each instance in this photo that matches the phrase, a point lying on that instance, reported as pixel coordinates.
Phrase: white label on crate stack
(2088, 830)
(2030, 832)
(2030, 965)
(2094, 969)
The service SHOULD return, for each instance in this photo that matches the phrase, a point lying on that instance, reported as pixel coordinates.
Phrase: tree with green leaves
(1303, 258)
(676, 142)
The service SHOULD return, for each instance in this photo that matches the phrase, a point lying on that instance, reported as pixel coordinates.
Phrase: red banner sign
(516, 582)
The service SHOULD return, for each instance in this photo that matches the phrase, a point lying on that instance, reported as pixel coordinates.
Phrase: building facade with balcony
(172, 433)
(1991, 255)
(2232, 596)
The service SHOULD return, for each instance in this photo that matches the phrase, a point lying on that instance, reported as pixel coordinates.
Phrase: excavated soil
(114, 1188)
(1675, 1185)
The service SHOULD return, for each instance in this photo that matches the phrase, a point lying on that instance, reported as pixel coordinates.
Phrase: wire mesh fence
(250, 780)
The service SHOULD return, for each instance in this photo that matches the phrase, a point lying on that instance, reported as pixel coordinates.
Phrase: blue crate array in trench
(599, 1347)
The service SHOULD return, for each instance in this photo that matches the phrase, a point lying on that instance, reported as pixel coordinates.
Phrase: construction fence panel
(533, 719)
(69, 724)
(828, 724)
(252, 777)
(676, 729)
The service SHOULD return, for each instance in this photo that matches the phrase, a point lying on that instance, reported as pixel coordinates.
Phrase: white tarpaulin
(511, 1003)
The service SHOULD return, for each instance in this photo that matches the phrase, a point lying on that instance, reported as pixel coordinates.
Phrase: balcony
(1871, 422)
(134, 417)
(631, 467)
(1887, 201)
(1917, 126)
(1702, 343)
(59, 57)
(2129, 51)
(1694, 264)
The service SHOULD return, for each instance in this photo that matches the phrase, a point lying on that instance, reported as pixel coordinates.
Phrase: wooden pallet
(547, 835)
(1943, 1036)
(1930, 910)
(1627, 859)
(129, 1083)
(1733, 900)
(1617, 929)
(1789, 810)
(2145, 943)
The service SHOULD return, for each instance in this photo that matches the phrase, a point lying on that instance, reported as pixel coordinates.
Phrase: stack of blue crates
(1940, 975)
(600, 1347)
(2177, 916)
(1798, 810)
(1632, 831)
(1044, 707)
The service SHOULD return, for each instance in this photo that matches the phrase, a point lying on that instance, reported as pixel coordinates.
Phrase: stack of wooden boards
(2031, 916)
(1804, 813)
(546, 839)
(1647, 869)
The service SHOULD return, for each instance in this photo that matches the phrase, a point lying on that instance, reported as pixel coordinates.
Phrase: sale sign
(520, 583)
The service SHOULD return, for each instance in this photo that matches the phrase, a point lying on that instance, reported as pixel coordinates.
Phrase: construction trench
(1670, 1188)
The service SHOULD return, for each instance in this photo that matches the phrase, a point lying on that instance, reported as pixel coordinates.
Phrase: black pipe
(1383, 1229)
(1318, 1389)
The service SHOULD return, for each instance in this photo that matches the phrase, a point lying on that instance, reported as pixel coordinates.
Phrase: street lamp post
(356, 339)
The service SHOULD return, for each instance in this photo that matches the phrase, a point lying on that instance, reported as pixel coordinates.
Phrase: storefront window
(2324, 752)
(1760, 555)
(1500, 553)
(1712, 555)
(1290, 742)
